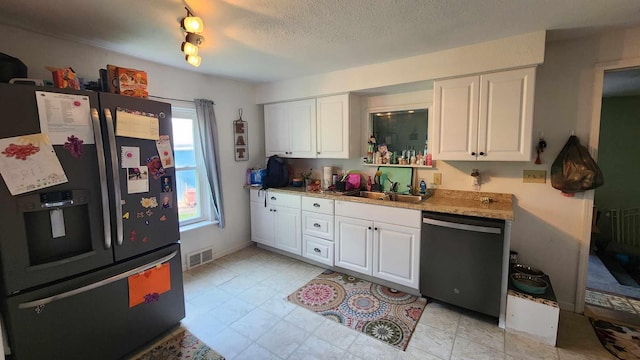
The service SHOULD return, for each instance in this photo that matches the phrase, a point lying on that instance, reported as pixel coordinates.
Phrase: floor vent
(199, 258)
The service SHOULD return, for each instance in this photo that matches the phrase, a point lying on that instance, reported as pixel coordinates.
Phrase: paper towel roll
(327, 173)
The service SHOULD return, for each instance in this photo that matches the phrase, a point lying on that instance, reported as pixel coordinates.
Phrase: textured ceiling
(270, 40)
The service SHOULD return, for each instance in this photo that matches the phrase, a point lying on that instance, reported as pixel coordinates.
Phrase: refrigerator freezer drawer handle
(95, 285)
(102, 168)
(458, 226)
(117, 191)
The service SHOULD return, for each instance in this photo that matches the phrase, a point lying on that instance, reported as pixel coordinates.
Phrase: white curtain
(208, 130)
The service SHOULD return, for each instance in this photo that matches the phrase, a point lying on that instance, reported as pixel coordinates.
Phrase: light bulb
(194, 60)
(189, 48)
(192, 24)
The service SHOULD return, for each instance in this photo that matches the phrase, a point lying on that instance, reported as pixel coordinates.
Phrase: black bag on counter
(574, 170)
(277, 173)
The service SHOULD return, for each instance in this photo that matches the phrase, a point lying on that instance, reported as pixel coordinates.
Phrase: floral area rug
(179, 345)
(386, 314)
(620, 340)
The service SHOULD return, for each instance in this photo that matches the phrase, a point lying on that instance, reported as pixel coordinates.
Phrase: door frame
(594, 138)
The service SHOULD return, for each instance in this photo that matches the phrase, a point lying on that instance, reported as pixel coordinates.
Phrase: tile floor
(236, 305)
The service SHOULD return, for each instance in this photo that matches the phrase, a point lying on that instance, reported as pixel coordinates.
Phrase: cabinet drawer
(319, 225)
(317, 249)
(318, 205)
(286, 200)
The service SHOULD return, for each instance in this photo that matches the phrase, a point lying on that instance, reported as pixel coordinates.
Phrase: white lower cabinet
(287, 235)
(385, 244)
(396, 252)
(386, 251)
(261, 223)
(354, 244)
(276, 222)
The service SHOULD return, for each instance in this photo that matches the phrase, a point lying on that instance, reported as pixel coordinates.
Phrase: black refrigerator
(91, 266)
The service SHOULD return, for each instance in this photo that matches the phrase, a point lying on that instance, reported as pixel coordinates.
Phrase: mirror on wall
(400, 130)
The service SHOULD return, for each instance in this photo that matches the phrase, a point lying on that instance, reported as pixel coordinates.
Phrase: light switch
(534, 176)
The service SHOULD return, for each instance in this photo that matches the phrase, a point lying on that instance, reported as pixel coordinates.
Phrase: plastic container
(423, 187)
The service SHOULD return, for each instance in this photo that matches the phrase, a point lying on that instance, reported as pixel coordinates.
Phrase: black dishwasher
(461, 261)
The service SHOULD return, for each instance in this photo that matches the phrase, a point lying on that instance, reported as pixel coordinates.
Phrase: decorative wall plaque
(241, 138)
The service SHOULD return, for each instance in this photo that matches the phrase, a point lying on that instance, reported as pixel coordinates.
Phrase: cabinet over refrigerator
(89, 247)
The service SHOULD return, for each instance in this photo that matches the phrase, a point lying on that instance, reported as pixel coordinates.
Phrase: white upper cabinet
(290, 129)
(338, 127)
(487, 117)
(326, 127)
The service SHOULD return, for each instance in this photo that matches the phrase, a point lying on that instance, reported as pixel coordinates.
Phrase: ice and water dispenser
(57, 226)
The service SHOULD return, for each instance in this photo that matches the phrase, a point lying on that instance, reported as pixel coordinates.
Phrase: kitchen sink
(388, 196)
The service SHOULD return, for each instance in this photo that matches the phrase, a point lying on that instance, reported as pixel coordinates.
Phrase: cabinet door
(506, 115)
(354, 244)
(333, 127)
(455, 119)
(276, 130)
(302, 125)
(262, 223)
(396, 254)
(287, 233)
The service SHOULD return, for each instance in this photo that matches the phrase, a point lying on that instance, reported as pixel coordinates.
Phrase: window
(193, 199)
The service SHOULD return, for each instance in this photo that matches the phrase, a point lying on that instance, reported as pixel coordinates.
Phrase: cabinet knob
(316, 205)
(482, 153)
(473, 153)
(318, 153)
(316, 225)
(369, 227)
(316, 250)
(274, 210)
(376, 229)
(273, 198)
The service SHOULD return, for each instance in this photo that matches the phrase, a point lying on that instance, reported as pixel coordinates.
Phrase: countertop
(441, 200)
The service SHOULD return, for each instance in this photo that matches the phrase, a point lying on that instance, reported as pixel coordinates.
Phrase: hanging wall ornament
(241, 137)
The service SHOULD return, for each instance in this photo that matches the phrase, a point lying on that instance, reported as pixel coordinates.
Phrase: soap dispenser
(423, 187)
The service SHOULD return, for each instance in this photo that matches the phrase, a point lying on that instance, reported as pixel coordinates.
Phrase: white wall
(38, 51)
(516, 51)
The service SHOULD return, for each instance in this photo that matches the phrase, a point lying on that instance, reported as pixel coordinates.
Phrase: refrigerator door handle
(80, 290)
(102, 168)
(117, 191)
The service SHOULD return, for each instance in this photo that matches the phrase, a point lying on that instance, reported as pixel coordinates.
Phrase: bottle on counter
(369, 184)
(423, 187)
(429, 162)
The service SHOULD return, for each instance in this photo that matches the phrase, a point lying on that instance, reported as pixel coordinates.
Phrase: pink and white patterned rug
(386, 314)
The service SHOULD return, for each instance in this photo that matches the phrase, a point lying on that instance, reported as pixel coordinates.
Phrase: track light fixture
(194, 60)
(193, 25)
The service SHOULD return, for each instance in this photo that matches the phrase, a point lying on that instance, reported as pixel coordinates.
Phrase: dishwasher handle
(459, 226)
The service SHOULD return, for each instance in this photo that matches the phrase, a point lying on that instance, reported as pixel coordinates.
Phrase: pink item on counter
(352, 182)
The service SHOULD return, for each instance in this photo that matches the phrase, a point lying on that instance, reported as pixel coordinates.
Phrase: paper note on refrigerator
(130, 156)
(29, 163)
(164, 150)
(147, 287)
(137, 125)
(137, 180)
(63, 115)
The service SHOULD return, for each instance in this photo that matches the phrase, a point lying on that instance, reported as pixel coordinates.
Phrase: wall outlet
(437, 178)
(534, 176)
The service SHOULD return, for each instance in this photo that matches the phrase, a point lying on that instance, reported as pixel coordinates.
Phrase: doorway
(609, 271)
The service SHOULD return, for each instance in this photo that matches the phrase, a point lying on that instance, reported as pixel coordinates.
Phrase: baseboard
(218, 254)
